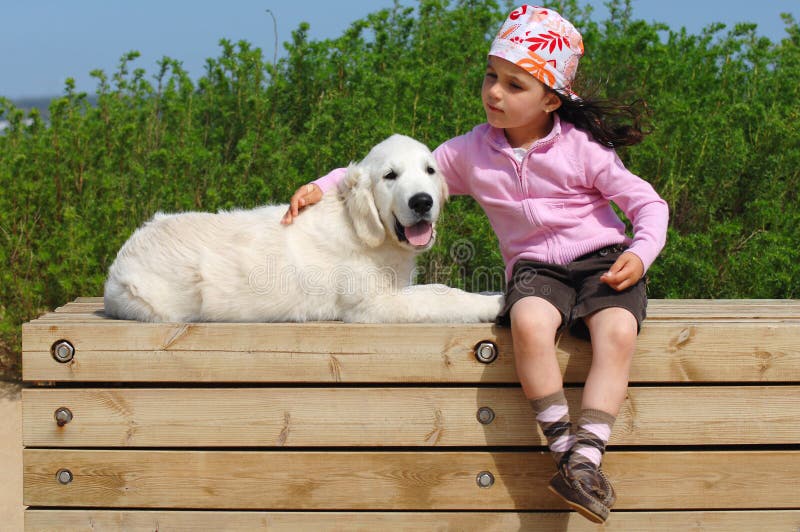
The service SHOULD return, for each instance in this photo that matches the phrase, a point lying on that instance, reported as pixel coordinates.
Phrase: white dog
(350, 257)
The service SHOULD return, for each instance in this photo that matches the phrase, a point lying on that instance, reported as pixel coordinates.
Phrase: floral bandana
(543, 43)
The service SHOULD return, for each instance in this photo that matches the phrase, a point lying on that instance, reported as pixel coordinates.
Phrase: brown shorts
(574, 289)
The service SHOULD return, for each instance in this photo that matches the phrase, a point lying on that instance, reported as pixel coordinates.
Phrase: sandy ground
(11, 509)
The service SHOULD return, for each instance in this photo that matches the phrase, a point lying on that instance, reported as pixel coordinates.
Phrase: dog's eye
(430, 170)
(391, 175)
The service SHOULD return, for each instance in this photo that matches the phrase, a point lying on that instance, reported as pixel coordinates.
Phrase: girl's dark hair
(610, 123)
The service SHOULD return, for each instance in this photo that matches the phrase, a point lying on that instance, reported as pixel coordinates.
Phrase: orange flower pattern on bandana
(538, 68)
(543, 43)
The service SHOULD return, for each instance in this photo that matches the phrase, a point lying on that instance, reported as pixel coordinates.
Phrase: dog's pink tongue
(419, 234)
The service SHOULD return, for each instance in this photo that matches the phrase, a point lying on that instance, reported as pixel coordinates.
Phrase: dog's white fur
(340, 260)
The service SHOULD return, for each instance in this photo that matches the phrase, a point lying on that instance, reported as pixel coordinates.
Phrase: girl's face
(517, 102)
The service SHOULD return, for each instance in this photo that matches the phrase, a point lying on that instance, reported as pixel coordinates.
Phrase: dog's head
(396, 192)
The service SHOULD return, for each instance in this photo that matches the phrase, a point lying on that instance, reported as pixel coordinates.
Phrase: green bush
(724, 149)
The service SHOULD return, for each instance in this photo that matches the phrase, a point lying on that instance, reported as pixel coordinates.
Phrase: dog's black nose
(421, 202)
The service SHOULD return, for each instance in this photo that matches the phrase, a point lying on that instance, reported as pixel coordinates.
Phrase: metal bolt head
(63, 351)
(485, 415)
(63, 416)
(486, 352)
(64, 476)
(485, 479)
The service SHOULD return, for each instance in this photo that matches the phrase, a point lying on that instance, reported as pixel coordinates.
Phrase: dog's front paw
(492, 306)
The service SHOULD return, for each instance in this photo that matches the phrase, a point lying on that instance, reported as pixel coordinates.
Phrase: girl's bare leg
(534, 322)
(613, 333)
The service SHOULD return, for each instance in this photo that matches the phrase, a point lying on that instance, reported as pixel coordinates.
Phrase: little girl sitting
(545, 172)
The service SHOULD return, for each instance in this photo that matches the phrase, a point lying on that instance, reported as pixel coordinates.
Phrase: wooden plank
(68, 317)
(98, 300)
(657, 308)
(723, 308)
(144, 520)
(116, 335)
(80, 308)
(114, 351)
(328, 417)
(399, 480)
(76, 317)
(677, 301)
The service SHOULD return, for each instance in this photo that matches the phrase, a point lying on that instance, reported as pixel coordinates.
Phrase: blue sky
(43, 42)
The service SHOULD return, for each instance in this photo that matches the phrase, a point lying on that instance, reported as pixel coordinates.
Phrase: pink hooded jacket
(554, 206)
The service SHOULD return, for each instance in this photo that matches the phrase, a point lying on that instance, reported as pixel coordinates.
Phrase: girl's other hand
(306, 195)
(625, 272)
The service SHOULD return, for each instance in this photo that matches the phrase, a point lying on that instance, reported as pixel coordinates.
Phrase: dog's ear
(361, 206)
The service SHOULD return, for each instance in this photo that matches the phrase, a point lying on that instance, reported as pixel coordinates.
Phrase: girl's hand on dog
(306, 195)
(625, 272)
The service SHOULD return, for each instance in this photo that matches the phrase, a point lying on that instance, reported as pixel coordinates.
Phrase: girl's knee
(535, 317)
(624, 334)
(615, 327)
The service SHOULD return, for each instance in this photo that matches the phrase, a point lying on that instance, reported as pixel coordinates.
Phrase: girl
(544, 170)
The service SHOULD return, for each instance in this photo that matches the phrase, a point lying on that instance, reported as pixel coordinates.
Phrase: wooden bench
(331, 426)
